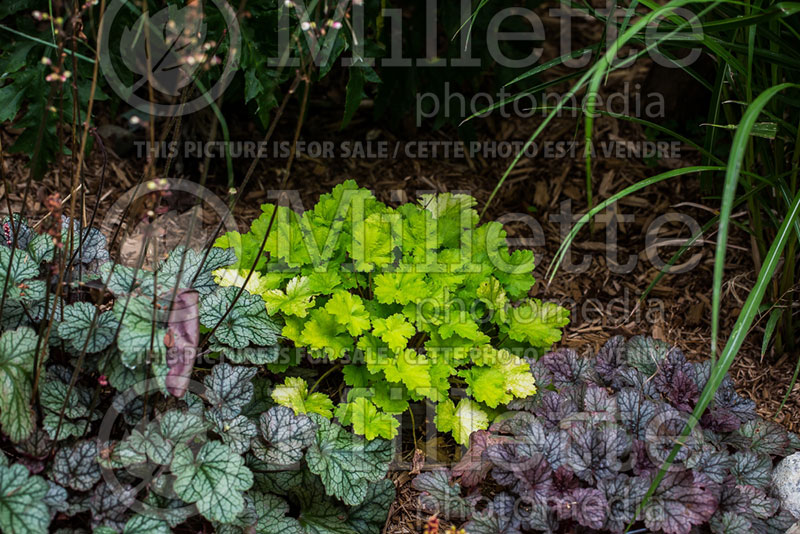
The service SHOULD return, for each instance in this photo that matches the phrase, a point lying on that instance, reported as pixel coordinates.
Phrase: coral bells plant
(412, 302)
(581, 456)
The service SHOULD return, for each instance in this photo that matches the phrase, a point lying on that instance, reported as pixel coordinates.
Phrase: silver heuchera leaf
(498, 518)
(247, 322)
(271, 513)
(236, 433)
(22, 506)
(109, 505)
(214, 480)
(285, 436)
(79, 322)
(229, 388)
(347, 463)
(185, 266)
(76, 466)
(441, 495)
(183, 335)
(370, 516)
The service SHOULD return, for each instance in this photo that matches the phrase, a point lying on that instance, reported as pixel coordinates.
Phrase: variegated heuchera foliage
(110, 427)
(417, 303)
(114, 425)
(581, 456)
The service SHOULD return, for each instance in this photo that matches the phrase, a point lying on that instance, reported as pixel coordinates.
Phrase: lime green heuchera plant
(415, 303)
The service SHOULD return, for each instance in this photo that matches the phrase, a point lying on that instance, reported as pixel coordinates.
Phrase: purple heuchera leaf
(720, 420)
(499, 517)
(610, 361)
(727, 398)
(586, 454)
(589, 507)
(679, 503)
(568, 367)
(182, 339)
(711, 464)
(528, 476)
(635, 411)
(473, 467)
(623, 494)
(555, 407)
(599, 404)
(596, 451)
(643, 466)
(731, 498)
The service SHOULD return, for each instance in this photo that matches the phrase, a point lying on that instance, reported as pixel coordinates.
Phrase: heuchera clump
(581, 455)
(412, 301)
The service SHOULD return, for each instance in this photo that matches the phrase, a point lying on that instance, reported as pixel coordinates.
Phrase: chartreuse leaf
(295, 300)
(246, 323)
(416, 289)
(214, 480)
(407, 367)
(537, 323)
(461, 421)
(486, 385)
(258, 284)
(373, 240)
(17, 356)
(323, 332)
(503, 377)
(22, 506)
(399, 288)
(349, 312)
(77, 324)
(367, 421)
(346, 463)
(293, 393)
(394, 330)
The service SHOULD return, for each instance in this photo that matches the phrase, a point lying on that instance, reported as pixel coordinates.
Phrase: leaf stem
(323, 377)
